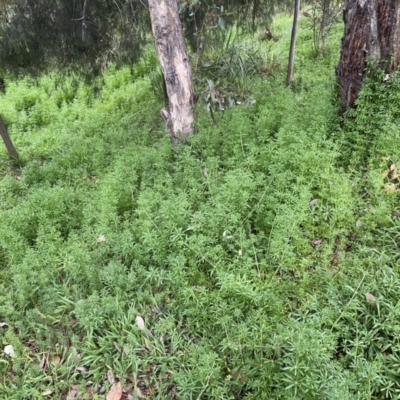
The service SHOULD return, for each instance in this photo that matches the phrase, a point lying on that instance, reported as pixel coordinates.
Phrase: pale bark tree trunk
(171, 52)
(7, 140)
(371, 33)
(324, 22)
(289, 77)
(84, 25)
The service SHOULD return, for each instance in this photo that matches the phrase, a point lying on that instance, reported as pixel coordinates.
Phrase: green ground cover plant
(263, 257)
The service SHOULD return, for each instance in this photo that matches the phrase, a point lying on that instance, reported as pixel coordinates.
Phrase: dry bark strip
(372, 33)
(171, 52)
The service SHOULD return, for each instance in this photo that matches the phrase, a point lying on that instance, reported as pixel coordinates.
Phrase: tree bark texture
(171, 52)
(7, 140)
(289, 76)
(84, 25)
(371, 34)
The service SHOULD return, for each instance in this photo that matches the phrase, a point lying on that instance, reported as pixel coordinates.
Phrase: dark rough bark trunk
(171, 52)
(7, 140)
(289, 76)
(371, 33)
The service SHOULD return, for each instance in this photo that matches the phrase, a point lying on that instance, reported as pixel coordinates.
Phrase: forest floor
(260, 261)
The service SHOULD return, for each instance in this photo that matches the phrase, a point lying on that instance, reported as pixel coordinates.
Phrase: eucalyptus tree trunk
(84, 20)
(289, 77)
(7, 140)
(171, 52)
(371, 34)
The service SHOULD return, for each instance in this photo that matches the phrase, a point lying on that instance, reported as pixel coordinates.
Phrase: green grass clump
(248, 253)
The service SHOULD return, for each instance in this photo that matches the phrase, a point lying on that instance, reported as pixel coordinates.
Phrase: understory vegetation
(263, 256)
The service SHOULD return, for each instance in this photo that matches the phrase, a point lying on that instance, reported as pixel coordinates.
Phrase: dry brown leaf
(110, 377)
(386, 172)
(42, 362)
(370, 297)
(72, 393)
(317, 242)
(9, 350)
(56, 360)
(101, 239)
(390, 187)
(393, 167)
(115, 392)
(47, 393)
(118, 347)
(140, 323)
(313, 202)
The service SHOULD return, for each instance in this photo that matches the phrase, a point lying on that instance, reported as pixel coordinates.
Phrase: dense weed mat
(262, 256)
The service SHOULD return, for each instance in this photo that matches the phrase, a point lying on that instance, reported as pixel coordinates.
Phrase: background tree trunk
(171, 52)
(372, 32)
(289, 77)
(7, 140)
